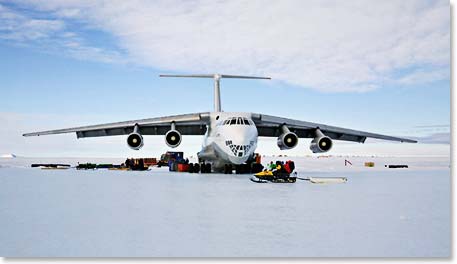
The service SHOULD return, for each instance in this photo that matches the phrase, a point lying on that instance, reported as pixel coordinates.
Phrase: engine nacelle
(135, 141)
(321, 143)
(173, 138)
(287, 140)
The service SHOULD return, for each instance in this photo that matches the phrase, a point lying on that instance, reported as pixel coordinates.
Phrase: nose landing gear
(228, 169)
(243, 168)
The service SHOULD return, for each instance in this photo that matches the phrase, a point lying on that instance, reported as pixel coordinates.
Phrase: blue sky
(68, 64)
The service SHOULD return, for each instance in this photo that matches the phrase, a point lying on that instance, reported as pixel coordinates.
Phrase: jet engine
(173, 137)
(321, 143)
(287, 140)
(135, 139)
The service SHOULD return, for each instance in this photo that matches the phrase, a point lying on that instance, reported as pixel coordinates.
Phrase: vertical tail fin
(217, 79)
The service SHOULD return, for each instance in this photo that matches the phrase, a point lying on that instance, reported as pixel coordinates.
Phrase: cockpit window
(237, 121)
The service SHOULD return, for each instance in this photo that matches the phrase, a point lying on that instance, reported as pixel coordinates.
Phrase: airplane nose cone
(240, 143)
(240, 153)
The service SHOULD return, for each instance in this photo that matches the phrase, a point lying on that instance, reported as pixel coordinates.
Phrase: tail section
(217, 79)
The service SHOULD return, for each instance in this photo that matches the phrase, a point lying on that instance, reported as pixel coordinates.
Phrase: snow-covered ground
(379, 212)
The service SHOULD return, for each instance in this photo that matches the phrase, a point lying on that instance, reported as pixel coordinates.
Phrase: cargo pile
(397, 166)
(148, 162)
(175, 161)
(169, 156)
(51, 166)
(135, 164)
(183, 165)
(86, 166)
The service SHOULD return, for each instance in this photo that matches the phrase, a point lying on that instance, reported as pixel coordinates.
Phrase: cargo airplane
(230, 138)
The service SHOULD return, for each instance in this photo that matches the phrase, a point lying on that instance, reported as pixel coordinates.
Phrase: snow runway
(379, 212)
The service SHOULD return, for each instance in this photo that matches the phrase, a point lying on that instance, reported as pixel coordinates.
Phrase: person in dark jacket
(131, 163)
(141, 164)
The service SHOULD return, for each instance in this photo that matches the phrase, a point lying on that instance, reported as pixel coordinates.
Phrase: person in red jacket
(287, 167)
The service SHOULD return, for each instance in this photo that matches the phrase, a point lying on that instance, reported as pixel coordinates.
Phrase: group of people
(281, 167)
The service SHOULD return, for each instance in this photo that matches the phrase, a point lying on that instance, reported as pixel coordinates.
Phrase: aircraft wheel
(196, 168)
(239, 169)
(243, 169)
(227, 169)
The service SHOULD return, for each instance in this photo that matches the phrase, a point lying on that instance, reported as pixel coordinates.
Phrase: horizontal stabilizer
(215, 76)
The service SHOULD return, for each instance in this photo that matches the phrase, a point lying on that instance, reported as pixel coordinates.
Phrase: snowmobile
(274, 176)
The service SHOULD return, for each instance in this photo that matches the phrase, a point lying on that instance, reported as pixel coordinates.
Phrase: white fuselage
(231, 138)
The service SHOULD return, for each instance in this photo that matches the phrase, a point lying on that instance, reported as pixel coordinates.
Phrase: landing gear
(196, 168)
(205, 168)
(242, 169)
(256, 168)
(228, 169)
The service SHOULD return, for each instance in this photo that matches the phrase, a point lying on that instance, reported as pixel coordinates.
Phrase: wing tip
(408, 141)
(31, 134)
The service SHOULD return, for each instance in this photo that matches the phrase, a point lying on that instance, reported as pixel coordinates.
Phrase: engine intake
(287, 140)
(135, 139)
(173, 137)
(321, 143)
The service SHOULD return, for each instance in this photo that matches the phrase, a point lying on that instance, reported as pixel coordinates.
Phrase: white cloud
(423, 76)
(20, 28)
(50, 35)
(331, 46)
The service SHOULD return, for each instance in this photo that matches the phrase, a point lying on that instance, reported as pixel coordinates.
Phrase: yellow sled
(119, 169)
(264, 173)
(55, 168)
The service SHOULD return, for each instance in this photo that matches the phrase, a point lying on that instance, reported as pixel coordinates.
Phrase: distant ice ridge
(9, 156)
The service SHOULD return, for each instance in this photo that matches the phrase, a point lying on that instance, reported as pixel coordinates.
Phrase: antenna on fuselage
(217, 83)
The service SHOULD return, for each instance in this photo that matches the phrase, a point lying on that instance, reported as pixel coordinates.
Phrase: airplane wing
(189, 124)
(270, 126)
